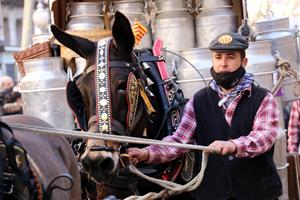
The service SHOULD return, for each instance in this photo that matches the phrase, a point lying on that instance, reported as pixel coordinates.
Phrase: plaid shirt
(294, 127)
(258, 141)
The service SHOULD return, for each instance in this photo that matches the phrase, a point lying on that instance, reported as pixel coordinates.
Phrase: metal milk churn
(188, 78)
(262, 64)
(280, 159)
(215, 17)
(135, 9)
(283, 38)
(285, 42)
(85, 16)
(43, 92)
(175, 26)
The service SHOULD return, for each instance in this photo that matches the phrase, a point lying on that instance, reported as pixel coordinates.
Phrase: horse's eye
(122, 85)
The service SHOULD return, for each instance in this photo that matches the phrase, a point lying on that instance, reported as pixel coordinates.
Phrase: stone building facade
(11, 17)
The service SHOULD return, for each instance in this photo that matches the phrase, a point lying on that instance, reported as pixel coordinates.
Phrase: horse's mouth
(99, 177)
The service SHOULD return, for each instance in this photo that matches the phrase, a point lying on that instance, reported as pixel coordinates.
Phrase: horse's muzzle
(99, 167)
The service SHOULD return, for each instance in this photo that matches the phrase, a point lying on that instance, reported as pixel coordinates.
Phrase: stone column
(1, 30)
(27, 23)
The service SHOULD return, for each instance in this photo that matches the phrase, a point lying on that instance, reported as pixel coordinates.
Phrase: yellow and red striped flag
(139, 31)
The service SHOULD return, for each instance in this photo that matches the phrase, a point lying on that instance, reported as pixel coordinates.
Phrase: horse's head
(101, 158)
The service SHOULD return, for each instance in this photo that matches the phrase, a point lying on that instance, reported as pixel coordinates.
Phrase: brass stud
(104, 116)
(102, 89)
(101, 75)
(103, 102)
(104, 127)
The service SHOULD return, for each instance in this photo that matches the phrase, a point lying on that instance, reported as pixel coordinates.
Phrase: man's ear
(244, 62)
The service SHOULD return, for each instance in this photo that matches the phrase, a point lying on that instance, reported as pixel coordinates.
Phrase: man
(6, 82)
(6, 87)
(10, 101)
(294, 127)
(237, 118)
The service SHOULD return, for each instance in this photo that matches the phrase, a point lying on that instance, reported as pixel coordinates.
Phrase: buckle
(8, 189)
(8, 186)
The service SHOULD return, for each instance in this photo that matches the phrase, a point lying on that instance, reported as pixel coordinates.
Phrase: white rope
(171, 188)
(107, 137)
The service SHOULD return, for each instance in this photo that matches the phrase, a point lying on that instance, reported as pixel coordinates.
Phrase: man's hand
(224, 147)
(138, 154)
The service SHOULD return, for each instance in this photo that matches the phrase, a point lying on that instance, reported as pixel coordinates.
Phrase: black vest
(226, 176)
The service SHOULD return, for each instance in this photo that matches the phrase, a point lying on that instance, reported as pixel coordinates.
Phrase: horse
(36, 166)
(133, 105)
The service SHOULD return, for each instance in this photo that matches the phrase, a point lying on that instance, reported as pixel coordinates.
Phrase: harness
(19, 178)
(15, 179)
(170, 96)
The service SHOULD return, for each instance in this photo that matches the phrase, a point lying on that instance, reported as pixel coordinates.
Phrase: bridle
(102, 122)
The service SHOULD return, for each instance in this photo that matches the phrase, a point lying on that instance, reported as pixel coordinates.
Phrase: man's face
(6, 83)
(227, 61)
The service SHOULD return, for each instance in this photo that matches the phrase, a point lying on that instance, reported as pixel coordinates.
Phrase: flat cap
(229, 41)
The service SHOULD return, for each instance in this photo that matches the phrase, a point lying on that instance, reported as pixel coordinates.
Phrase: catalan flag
(139, 31)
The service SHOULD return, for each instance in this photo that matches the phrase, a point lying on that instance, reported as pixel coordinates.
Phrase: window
(6, 32)
(19, 31)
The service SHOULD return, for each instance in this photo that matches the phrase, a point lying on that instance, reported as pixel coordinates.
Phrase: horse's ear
(122, 33)
(83, 47)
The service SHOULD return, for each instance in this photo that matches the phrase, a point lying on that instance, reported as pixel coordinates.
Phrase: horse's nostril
(107, 165)
(86, 163)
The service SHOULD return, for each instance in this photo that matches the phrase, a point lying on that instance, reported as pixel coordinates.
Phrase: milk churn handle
(193, 7)
(68, 12)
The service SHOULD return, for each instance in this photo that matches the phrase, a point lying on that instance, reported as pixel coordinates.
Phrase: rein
(102, 148)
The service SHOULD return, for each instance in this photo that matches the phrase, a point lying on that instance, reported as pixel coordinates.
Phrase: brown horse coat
(49, 155)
